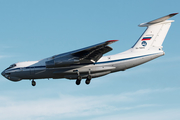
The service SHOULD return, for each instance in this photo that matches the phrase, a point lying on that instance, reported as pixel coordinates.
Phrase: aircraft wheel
(89, 77)
(33, 83)
(79, 78)
(88, 80)
(78, 81)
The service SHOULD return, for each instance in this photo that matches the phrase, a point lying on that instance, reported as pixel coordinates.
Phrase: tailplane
(155, 33)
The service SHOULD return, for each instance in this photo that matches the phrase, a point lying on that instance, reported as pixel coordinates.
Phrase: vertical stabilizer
(155, 33)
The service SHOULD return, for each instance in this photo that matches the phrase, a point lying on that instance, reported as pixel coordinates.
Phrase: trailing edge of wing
(95, 52)
(158, 20)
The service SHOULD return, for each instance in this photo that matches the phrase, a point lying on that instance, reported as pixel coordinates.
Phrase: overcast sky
(36, 29)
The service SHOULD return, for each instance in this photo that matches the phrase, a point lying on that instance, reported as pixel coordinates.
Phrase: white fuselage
(106, 65)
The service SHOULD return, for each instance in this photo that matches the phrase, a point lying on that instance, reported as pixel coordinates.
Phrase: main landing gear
(79, 78)
(33, 83)
(88, 80)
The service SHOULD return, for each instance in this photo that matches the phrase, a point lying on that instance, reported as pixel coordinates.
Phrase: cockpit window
(11, 66)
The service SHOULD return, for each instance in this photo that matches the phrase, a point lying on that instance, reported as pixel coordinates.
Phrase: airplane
(89, 62)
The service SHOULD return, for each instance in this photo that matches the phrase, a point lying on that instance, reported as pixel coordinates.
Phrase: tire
(78, 82)
(33, 83)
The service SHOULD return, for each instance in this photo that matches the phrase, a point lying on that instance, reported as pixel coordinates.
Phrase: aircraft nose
(3, 73)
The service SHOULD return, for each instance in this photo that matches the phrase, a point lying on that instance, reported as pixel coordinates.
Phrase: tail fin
(155, 33)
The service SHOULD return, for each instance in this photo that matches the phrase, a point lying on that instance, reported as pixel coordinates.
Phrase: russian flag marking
(146, 38)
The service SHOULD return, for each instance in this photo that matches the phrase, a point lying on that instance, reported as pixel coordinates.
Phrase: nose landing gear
(33, 83)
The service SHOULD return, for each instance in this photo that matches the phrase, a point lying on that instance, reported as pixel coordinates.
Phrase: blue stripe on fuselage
(125, 59)
(33, 67)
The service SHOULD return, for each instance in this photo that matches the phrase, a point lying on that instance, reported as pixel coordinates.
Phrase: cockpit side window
(11, 66)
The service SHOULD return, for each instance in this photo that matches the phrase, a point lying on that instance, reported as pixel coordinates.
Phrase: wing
(89, 54)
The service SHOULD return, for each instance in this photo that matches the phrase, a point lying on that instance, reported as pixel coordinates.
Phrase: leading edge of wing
(86, 48)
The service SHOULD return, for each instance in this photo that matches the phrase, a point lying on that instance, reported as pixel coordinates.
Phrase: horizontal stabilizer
(155, 33)
(158, 20)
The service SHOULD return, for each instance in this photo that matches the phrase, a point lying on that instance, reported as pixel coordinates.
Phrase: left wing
(89, 54)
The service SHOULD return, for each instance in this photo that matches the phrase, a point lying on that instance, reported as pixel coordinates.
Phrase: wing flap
(96, 55)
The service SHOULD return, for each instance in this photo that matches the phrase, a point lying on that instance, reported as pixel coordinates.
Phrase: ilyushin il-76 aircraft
(88, 63)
